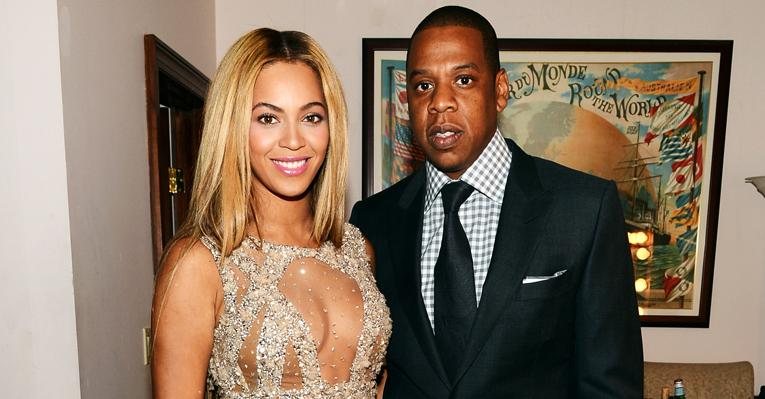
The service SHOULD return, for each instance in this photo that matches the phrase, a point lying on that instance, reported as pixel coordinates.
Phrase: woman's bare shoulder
(188, 254)
(187, 299)
(188, 269)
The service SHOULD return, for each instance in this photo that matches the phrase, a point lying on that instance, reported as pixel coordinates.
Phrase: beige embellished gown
(299, 322)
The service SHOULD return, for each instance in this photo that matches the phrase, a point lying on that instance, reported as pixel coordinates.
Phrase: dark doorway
(175, 93)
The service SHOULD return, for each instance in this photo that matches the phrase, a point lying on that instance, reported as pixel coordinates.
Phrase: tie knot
(454, 194)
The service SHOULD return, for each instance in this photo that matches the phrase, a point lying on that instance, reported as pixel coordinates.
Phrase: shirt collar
(488, 174)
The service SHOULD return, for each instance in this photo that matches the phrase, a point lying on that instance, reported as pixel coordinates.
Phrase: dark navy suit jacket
(573, 336)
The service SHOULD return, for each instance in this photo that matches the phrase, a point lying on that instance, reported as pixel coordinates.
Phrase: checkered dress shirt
(479, 214)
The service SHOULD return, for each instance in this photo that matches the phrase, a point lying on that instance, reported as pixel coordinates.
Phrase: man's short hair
(461, 16)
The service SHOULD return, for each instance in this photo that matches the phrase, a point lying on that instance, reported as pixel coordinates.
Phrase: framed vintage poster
(647, 114)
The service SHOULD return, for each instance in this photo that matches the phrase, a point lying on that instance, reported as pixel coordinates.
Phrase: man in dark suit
(507, 276)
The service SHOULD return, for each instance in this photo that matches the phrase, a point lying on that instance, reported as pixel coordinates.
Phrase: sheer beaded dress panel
(299, 322)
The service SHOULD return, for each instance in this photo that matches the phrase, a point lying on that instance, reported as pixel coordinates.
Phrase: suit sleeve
(356, 217)
(608, 347)
(361, 216)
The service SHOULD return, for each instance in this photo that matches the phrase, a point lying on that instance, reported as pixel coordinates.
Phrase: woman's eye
(464, 80)
(423, 86)
(267, 119)
(313, 118)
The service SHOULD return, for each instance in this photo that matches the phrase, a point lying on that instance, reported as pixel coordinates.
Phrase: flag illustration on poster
(670, 115)
(685, 172)
(676, 123)
(404, 145)
(399, 97)
(401, 155)
(678, 146)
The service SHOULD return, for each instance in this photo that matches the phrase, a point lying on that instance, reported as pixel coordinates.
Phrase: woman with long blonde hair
(265, 287)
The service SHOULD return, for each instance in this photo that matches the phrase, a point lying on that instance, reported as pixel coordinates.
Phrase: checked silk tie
(454, 300)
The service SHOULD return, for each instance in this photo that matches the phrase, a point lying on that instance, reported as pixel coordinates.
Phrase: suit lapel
(521, 222)
(406, 237)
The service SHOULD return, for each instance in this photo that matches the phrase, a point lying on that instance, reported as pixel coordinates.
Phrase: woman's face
(289, 132)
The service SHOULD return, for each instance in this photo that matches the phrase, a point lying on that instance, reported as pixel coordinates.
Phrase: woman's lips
(291, 166)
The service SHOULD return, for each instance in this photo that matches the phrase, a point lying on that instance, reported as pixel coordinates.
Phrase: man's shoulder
(554, 176)
(560, 178)
(390, 195)
(371, 213)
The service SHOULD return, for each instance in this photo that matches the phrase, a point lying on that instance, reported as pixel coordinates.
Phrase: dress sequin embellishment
(298, 322)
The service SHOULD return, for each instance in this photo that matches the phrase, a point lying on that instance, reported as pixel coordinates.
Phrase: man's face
(453, 96)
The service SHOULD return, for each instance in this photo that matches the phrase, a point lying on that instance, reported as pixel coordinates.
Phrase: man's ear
(501, 87)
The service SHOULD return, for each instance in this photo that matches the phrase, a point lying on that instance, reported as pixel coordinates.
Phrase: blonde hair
(221, 202)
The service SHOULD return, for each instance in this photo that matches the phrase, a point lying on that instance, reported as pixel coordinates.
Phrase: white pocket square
(536, 279)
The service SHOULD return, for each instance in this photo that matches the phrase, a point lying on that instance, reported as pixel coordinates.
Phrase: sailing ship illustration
(645, 210)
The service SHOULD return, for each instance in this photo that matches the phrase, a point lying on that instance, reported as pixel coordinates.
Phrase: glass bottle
(679, 389)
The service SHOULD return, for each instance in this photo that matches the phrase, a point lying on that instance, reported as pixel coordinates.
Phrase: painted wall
(104, 103)
(737, 328)
(38, 340)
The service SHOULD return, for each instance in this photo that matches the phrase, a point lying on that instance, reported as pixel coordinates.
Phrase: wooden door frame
(160, 58)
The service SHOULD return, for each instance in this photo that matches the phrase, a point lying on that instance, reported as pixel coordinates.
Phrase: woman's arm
(383, 373)
(187, 296)
(381, 383)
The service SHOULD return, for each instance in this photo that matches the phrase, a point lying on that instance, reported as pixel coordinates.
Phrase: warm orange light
(642, 253)
(637, 238)
(640, 285)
